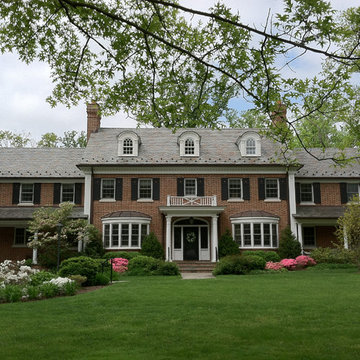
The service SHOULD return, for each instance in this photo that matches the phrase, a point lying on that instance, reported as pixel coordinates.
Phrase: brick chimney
(93, 118)
(279, 115)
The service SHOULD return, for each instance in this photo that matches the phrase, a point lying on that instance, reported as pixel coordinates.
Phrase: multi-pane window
(145, 189)
(189, 147)
(256, 235)
(250, 146)
(67, 192)
(190, 187)
(235, 189)
(124, 235)
(309, 236)
(271, 189)
(306, 193)
(128, 147)
(21, 237)
(107, 188)
(27, 193)
(351, 191)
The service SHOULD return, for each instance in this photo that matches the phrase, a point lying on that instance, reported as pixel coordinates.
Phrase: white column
(35, 251)
(214, 238)
(80, 245)
(292, 201)
(300, 234)
(346, 242)
(168, 239)
(87, 192)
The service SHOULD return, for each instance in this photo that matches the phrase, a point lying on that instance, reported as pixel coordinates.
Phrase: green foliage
(11, 139)
(33, 291)
(266, 255)
(12, 293)
(121, 254)
(101, 279)
(47, 256)
(227, 246)
(81, 265)
(79, 279)
(289, 247)
(41, 276)
(239, 265)
(48, 140)
(333, 266)
(49, 290)
(333, 256)
(151, 246)
(143, 265)
(94, 247)
(168, 269)
(70, 288)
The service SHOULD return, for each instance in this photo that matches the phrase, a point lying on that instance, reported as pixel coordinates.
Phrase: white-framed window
(21, 237)
(306, 193)
(125, 234)
(27, 193)
(250, 146)
(351, 191)
(107, 188)
(145, 189)
(190, 187)
(67, 193)
(128, 147)
(271, 188)
(309, 238)
(235, 189)
(189, 142)
(256, 233)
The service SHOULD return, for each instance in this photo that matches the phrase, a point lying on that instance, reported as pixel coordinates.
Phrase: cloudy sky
(24, 88)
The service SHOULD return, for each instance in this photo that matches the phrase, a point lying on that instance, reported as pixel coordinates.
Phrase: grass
(296, 315)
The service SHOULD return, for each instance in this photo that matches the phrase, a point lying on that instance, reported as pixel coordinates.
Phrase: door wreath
(190, 237)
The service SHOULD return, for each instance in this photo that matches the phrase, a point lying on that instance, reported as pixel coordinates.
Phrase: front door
(191, 243)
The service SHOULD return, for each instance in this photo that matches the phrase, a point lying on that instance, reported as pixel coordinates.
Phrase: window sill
(25, 204)
(307, 203)
(256, 247)
(235, 200)
(272, 200)
(107, 200)
(145, 200)
(123, 248)
(20, 246)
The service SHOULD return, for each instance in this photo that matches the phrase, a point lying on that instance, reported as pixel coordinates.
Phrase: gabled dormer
(128, 143)
(249, 144)
(189, 142)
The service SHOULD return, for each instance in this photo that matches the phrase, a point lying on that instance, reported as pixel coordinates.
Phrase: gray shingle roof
(40, 163)
(326, 168)
(160, 147)
(26, 213)
(127, 214)
(319, 212)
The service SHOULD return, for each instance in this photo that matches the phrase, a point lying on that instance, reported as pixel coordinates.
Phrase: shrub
(49, 290)
(266, 255)
(236, 264)
(289, 247)
(168, 268)
(143, 265)
(289, 264)
(333, 266)
(101, 279)
(276, 266)
(333, 256)
(70, 288)
(304, 261)
(227, 245)
(226, 265)
(33, 292)
(119, 265)
(79, 279)
(94, 248)
(47, 256)
(40, 277)
(13, 293)
(121, 254)
(81, 265)
(151, 246)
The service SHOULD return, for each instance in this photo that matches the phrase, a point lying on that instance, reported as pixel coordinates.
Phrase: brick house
(187, 186)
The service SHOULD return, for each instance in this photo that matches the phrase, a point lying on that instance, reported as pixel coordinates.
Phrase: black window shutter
(37, 193)
(317, 193)
(118, 188)
(180, 186)
(134, 189)
(283, 188)
(200, 187)
(156, 189)
(261, 188)
(246, 188)
(56, 195)
(78, 193)
(297, 193)
(224, 188)
(16, 193)
(343, 193)
(96, 189)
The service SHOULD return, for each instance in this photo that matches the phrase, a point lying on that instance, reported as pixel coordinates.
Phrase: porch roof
(126, 214)
(255, 214)
(191, 210)
(319, 212)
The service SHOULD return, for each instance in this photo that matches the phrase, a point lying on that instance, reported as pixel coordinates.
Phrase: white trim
(101, 189)
(33, 179)
(292, 200)
(241, 198)
(87, 195)
(135, 143)
(151, 190)
(196, 187)
(195, 137)
(20, 194)
(275, 198)
(62, 193)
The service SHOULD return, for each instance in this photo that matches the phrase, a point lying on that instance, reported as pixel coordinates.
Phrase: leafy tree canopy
(174, 66)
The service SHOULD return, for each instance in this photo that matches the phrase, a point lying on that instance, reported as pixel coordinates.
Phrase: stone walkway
(197, 276)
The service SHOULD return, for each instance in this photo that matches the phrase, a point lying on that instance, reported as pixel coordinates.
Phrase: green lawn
(298, 315)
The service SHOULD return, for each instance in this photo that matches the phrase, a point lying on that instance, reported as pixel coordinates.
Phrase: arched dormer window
(189, 142)
(249, 144)
(128, 143)
(128, 147)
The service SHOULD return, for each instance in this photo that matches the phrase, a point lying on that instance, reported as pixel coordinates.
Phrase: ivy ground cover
(294, 315)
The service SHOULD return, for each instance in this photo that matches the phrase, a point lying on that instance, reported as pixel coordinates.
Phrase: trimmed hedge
(239, 264)
(147, 265)
(121, 254)
(333, 256)
(151, 246)
(266, 255)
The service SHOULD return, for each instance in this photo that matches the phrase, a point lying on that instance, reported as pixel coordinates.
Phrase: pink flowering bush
(120, 265)
(273, 265)
(289, 264)
(304, 261)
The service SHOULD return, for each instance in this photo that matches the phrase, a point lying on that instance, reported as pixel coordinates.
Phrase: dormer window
(128, 143)
(128, 147)
(249, 144)
(189, 142)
